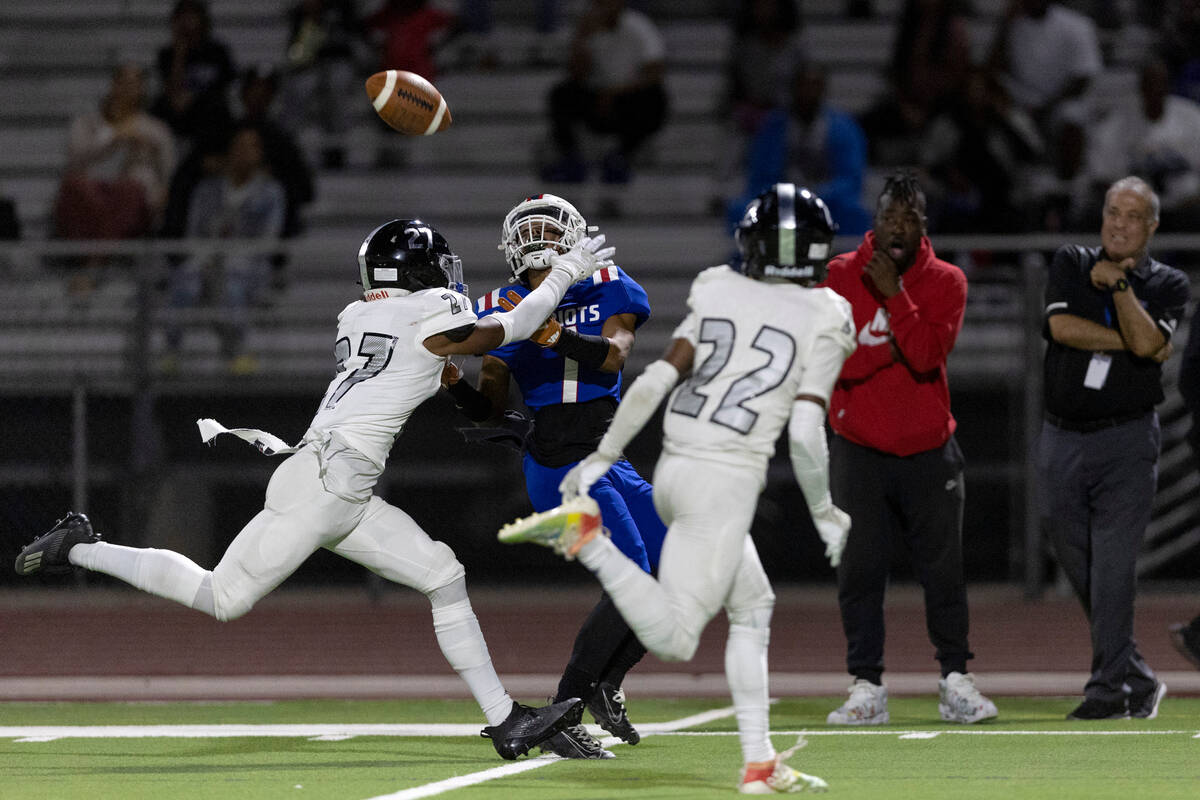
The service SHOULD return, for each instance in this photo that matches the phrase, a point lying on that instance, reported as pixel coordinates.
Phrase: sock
(746, 671)
(161, 572)
(462, 643)
(598, 640)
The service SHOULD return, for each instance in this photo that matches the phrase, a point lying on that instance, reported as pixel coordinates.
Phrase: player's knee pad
(444, 569)
(679, 647)
(228, 602)
(451, 593)
(756, 616)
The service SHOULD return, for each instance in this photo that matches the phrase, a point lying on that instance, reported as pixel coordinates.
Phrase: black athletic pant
(1097, 489)
(910, 504)
(605, 649)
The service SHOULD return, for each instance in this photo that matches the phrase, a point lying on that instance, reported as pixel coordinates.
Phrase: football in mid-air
(408, 103)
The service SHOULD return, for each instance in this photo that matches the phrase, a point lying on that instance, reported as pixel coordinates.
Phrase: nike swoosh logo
(877, 331)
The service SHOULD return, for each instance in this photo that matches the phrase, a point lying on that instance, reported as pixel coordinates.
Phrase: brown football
(407, 102)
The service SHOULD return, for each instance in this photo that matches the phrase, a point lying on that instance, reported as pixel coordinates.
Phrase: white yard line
(331, 732)
(431, 789)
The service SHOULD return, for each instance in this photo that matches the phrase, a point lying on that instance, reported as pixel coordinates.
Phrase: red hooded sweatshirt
(898, 407)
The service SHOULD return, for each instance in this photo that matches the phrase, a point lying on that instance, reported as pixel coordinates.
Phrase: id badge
(1097, 371)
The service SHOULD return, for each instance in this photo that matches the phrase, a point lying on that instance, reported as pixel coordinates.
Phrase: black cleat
(526, 727)
(608, 707)
(48, 552)
(1093, 709)
(575, 742)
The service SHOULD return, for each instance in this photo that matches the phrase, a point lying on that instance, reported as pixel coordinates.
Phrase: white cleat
(565, 528)
(782, 779)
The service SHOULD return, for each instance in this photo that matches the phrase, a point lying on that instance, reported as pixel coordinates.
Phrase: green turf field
(403, 749)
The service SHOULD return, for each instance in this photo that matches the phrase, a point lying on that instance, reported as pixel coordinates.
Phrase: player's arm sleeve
(535, 307)
(637, 406)
(809, 453)
(925, 334)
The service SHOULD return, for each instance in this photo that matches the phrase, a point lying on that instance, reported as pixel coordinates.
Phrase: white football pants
(300, 515)
(708, 562)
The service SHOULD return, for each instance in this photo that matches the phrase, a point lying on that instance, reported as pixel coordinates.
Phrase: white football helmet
(537, 228)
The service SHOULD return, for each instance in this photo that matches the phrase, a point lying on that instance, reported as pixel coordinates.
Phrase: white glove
(833, 526)
(580, 478)
(584, 258)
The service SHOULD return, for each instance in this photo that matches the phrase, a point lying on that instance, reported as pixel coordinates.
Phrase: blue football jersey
(545, 377)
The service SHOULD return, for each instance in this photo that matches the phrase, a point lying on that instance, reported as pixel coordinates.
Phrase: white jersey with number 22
(758, 344)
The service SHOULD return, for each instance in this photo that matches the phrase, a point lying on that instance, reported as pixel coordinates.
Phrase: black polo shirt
(1133, 384)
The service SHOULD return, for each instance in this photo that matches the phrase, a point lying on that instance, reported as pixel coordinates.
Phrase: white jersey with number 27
(758, 345)
(384, 370)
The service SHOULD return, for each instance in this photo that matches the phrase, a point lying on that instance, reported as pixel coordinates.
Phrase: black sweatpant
(909, 504)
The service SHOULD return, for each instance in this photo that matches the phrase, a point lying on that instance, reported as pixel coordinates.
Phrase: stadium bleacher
(54, 60)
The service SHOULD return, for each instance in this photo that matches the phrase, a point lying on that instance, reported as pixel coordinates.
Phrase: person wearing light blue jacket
(813, 143)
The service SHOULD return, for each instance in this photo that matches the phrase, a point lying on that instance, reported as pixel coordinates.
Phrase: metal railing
(1000, 349)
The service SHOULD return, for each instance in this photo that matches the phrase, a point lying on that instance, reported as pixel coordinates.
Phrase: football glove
(833, 526)
(583, 475)
(587, 256)
(547, 335)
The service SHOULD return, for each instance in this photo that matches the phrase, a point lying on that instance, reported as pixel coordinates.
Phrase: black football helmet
(786, 233)
(408, 254)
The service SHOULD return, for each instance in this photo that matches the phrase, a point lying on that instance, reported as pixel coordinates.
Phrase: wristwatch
(1120, 286)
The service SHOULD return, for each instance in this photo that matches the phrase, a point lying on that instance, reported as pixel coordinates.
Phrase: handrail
(1023, 242)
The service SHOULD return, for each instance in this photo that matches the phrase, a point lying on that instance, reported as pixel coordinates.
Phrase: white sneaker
(960, 701)
(783, 779)
(867, 705)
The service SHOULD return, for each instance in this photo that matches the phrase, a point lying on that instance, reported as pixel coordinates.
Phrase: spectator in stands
(1047, 56)
(319, 80)
(614, 85)
(285, 160)
(408, 33)
(1181, 46)
(119, 161)
(975, 151)
(1158, 139)
(549, 44)
(242, 202)
(763, 54)
(812, 143)
(930, 54)
(195, 71)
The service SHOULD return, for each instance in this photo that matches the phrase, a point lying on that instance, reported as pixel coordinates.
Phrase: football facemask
(538, 228)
